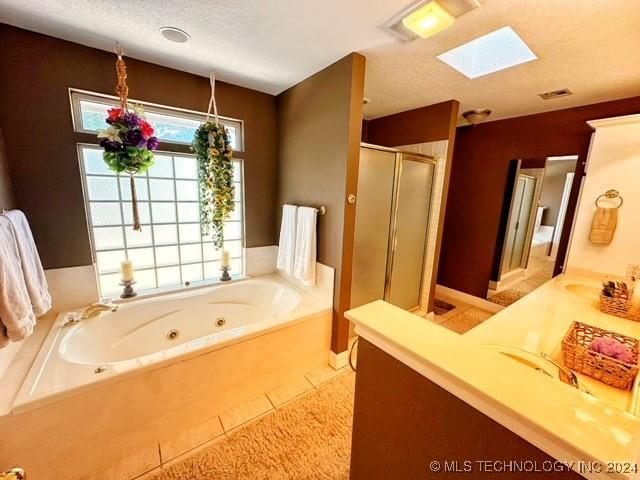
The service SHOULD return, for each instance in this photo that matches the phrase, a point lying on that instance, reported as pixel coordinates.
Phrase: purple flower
(152, 143)
(134, 138)
(110, 146)
(131, 120)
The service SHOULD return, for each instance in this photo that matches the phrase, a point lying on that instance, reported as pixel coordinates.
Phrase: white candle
(225, 258)
(126, 266)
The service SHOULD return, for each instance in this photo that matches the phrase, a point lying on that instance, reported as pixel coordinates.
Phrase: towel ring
(611, 194)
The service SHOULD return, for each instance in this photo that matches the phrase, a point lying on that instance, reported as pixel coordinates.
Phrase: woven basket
(620, 307)
(577, 356)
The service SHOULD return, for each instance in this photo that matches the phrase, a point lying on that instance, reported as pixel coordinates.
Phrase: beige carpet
(309, 438)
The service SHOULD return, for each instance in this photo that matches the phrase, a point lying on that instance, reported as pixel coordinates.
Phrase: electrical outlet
(633, 270)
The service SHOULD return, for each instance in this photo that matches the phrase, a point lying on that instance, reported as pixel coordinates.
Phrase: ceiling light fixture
(476, 116)
(490, 53)
(428, 20)
(174, 34)
(427, 17)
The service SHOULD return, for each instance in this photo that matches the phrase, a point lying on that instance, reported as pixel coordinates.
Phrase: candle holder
(225, 277)
(128, 291)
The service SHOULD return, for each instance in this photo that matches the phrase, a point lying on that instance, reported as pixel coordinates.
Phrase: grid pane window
(172, 125)
(170, 250)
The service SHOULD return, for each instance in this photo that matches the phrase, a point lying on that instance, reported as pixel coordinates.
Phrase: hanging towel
(304, 268)
(603, 226)
(16, 314)
(34, 277)
(287, 243)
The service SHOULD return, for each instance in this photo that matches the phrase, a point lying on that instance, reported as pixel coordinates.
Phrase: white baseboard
(339, 360)
(470, 299)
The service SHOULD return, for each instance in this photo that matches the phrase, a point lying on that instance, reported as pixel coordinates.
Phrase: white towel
(287, 243)
(32, 269)
(16, 314)
(304, 268)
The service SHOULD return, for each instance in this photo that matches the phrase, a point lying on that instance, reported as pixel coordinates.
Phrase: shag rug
(507, 297)
(309, 438)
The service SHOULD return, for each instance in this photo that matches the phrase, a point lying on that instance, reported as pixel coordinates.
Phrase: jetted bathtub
(150, 332)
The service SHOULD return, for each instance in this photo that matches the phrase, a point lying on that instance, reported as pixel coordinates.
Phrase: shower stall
(391, 226)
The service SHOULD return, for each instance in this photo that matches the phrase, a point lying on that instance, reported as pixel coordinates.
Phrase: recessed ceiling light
(174, 34)
(428, 20)
(488, 54)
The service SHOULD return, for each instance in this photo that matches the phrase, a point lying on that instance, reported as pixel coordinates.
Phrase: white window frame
(75, 97)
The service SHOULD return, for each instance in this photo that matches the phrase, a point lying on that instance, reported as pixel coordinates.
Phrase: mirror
(531, 225)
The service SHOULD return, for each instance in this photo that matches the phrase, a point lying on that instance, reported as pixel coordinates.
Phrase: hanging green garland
(212, 148)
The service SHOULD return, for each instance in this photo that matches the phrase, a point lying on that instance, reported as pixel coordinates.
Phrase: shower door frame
(391, 241)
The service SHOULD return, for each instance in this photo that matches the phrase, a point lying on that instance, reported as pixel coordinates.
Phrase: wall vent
(565, 92)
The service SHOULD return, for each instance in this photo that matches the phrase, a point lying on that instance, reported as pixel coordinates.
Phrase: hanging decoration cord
(122, 90)
(212, 100)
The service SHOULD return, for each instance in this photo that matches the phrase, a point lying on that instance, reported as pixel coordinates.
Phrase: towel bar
(322, 210)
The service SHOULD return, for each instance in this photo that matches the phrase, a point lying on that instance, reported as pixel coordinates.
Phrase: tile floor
(463, 317)
(216, 429)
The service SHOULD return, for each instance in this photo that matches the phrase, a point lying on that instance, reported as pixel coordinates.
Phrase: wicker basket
(577, 356)
(620, 307)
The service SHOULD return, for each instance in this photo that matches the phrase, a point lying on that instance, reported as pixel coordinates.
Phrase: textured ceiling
(267, 45)
(589, 46)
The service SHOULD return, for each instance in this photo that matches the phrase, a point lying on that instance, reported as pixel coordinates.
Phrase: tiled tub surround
(141, 402)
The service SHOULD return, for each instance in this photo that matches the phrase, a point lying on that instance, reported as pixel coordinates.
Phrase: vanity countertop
(566, 423)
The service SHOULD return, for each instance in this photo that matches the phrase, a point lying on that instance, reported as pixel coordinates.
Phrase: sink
(583, 288)
(621, 399)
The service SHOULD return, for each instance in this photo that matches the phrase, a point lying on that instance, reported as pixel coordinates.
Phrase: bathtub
(149, 333)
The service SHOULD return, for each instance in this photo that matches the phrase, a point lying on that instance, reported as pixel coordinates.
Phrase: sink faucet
(564, 374)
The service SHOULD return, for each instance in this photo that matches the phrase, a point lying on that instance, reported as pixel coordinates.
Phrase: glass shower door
(373, 220)
(410, 228)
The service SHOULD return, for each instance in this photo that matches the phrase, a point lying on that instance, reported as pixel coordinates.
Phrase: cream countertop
(565, 423)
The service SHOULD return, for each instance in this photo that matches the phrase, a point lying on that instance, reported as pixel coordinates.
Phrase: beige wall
(316, 141)
(613, 162)
(555, 176)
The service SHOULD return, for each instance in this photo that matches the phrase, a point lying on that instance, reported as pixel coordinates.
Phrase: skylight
(490, 53)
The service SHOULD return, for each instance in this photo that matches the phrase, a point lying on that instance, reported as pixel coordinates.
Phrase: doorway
(534, 218)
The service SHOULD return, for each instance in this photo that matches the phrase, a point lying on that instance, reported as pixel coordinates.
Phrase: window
(169, 250)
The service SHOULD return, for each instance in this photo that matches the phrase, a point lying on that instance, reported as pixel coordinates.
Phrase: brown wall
(552, 188)
(478, 180)
(403, 421)
(35, 117)
(319, 129)
(6, 188)
(424, 124)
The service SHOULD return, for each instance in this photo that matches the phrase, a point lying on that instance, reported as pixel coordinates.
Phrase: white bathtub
(148, 333)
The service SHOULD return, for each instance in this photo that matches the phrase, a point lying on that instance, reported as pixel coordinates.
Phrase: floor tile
(132, 466)
(245, 412)
(288, 392)
(318, 377)
(191, 452)
(190, 438)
